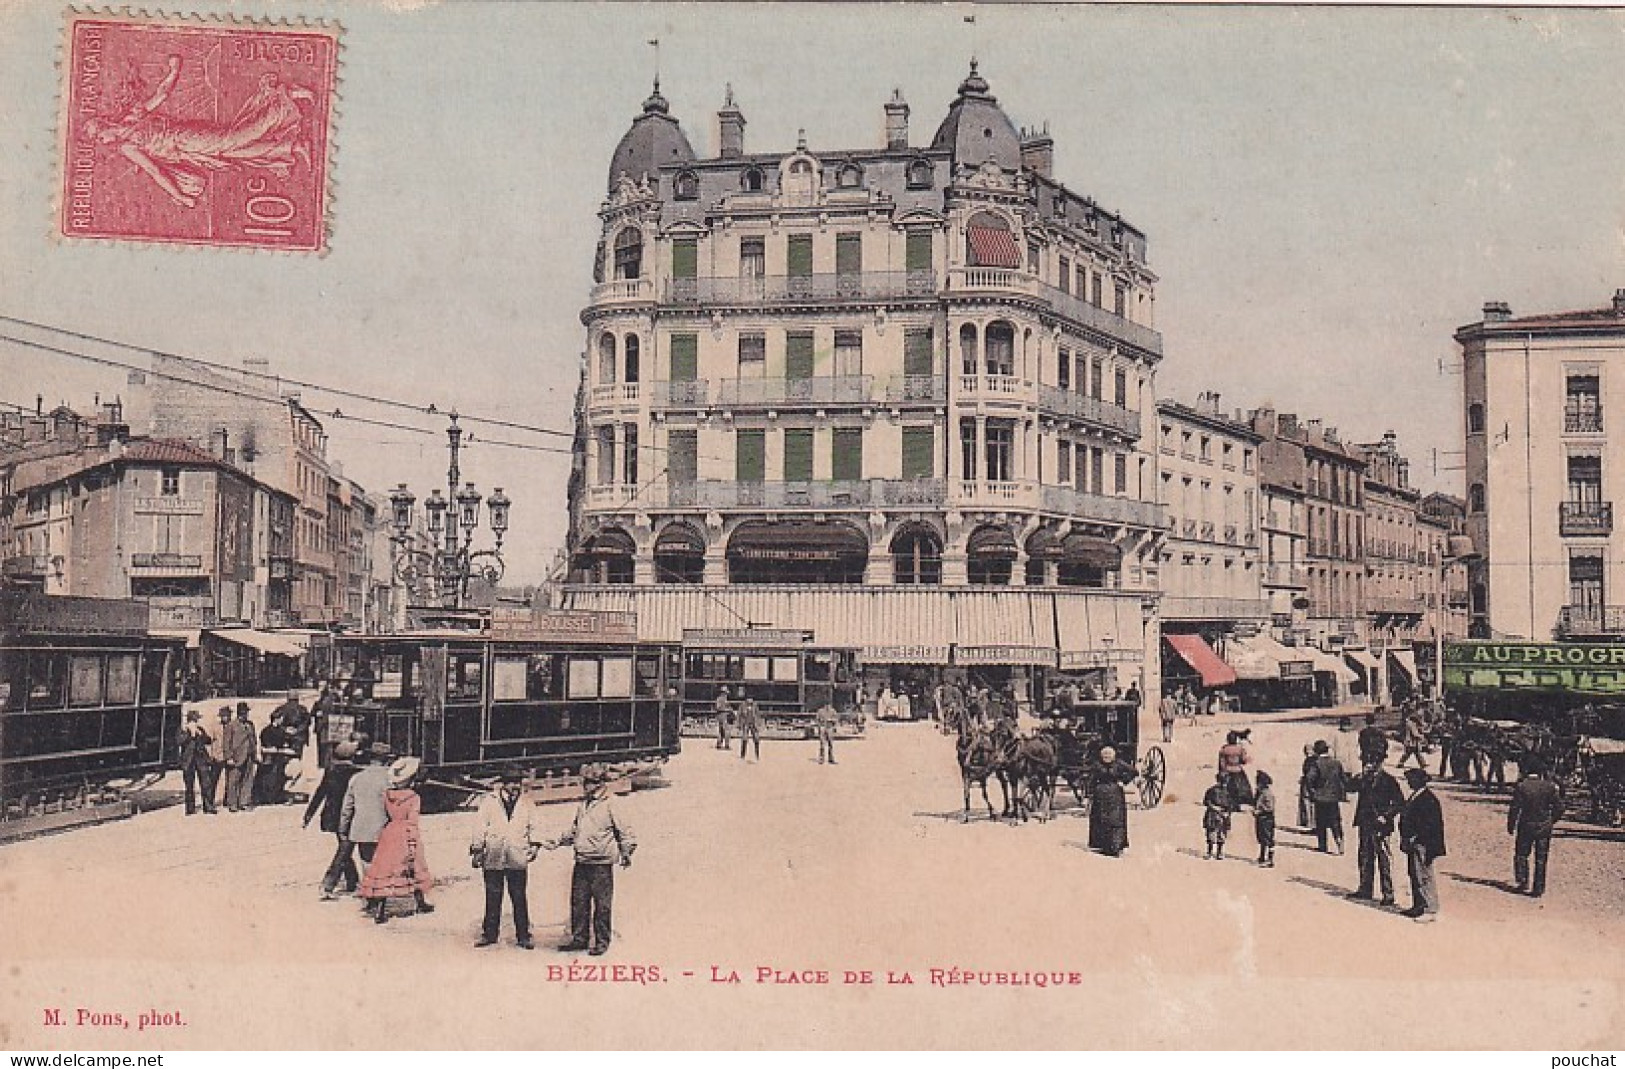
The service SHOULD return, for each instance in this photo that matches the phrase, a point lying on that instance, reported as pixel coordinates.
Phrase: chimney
(896, 121)
(1038, 151)
(731, 127)
(1497, 312)
(218, 439)
(1619, 302)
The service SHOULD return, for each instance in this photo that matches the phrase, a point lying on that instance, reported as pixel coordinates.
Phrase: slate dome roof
(976, 129)
(654, 140)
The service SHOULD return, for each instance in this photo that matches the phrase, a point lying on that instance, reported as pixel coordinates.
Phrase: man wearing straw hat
(503, 847)
(600, 838)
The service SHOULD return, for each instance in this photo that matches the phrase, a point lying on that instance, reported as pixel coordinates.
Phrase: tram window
(648, 677)
(121, 679)
(583, 678)
(818, 665)
(391, 678)
(785, 669)
(152, 677)
(47, 681)
(84, 681)
(463, 676)
(756, 669)
(508, 679)
(617, 678)
(546, 677)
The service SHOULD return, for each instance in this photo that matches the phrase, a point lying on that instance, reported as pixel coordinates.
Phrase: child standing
(1264, 820)
(1216, 817)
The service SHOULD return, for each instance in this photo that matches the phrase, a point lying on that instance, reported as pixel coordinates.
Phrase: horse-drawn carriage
(1064, 748)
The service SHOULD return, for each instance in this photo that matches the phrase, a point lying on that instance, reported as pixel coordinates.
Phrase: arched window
(989, 242)
(968, 362)
(679, 555)
(632, 358)
(606, 358)
(849, 177)
(1001, 348)
(916, 557)
(629, 253)
(751, 180)
(919, 174)
(1475, 498)
(686, 186)
(606, 557)
(797, 551)
(990, 553)
(1475, 418)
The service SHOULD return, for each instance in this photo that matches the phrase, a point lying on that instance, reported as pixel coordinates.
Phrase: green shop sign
(1539, 666)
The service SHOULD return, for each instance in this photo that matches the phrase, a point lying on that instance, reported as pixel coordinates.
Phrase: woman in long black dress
(1108, 806)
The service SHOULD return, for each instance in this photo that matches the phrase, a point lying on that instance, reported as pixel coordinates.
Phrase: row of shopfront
(1260, 672)
(911, 638)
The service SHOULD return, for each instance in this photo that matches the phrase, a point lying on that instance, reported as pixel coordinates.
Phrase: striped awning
(1195, 651)
(991, 247)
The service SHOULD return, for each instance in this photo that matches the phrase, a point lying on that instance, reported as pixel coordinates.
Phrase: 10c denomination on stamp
(194, 132)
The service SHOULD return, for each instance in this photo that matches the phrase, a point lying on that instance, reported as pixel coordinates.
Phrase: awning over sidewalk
(192, 635)
(1195, 651)
(1260, 657)
(1331, 664)
(1406, 660)
(1364, 659)
(260, 641)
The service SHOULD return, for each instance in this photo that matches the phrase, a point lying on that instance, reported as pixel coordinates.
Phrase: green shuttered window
(682, 456)
(685, 357)
(685, 258)
(799, 250)
(846, 458)
(919, 452)
(750, 456)
(917, 251)
(798, 355)
(798, 456)
(917, 359)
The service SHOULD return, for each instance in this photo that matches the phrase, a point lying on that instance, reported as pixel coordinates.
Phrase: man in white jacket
(503, 847)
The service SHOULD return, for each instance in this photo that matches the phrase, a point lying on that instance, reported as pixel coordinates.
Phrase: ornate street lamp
(447, 569)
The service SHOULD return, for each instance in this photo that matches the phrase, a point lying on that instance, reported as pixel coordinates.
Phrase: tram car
(787, 675)
(88, 699)
(543, 693)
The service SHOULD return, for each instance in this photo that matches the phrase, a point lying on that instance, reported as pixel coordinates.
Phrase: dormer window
(849, 177)
(919, 174)
(686, 186)
(751, 180)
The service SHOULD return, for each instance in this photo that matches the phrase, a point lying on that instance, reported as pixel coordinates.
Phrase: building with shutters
(1543, 397)
(918, 371)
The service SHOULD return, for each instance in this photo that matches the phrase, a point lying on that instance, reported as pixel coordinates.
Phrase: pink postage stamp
(186, 131)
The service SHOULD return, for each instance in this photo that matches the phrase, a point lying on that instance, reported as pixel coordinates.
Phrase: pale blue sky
(1328, 194)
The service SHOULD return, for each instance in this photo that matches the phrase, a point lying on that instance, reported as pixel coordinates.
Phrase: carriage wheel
(1153, 777)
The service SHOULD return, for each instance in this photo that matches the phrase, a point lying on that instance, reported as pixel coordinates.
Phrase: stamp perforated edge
(332, 28)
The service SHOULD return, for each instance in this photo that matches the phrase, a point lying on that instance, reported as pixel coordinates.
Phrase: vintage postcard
(811, 526)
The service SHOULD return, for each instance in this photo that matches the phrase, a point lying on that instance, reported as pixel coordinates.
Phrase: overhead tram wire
(339, 414)
(430, 409)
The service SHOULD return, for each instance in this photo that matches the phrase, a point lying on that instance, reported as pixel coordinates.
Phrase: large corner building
(901, 395)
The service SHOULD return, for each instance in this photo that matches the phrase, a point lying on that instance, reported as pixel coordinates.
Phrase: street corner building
(899, 395)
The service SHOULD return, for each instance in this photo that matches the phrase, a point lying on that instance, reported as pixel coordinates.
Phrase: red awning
(1200, 656)
(991, 247)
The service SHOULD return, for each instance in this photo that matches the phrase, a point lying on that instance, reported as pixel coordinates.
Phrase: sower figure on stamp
(197, 767)
(600, 838)
(503, 847)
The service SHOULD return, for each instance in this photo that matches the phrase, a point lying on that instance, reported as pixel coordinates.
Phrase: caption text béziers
(581, 972)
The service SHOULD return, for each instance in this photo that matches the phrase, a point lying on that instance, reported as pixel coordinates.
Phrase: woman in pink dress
(397, 867)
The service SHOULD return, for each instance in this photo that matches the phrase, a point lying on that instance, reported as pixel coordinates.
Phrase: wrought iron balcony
(1006, 280)
(1582, 419)
(1590, 620)
(26, 566)
(1585, 518)
(1293, 576)
(792, 289)
(1391, 606)
(924, 388)
(694, 393)
(827, 494)
(1176, 607)
(821, 390)
(1084, 407)
(1100, 507)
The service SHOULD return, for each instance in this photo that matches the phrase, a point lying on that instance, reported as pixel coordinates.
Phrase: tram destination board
(1564, 667)
(563, 625)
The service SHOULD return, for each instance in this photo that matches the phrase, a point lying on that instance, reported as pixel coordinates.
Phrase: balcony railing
(691, 394)
(1391, 606)
(717, 493)
(929, 388)
(1585, 518)
(1286, 575)
(1082, 406)
(1084, 505)
(1175, 607)
(996, 385)
(999, 491)
(1005, 280)
(623, 291)
(1602, 620)
(26, 566)
(166, 561)
(823, 390)
(613, 392)
(789, 289)
(611, 494)
(1578, 420)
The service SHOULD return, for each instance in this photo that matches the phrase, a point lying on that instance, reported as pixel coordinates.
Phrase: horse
(981, 754)
(1034, 762)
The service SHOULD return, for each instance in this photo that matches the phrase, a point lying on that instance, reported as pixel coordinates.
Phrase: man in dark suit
(1421, 836)
(241, 747)
(1379, 803)
(1373, 742)
(1537, 805)
(1327, 788)
(197, 767)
